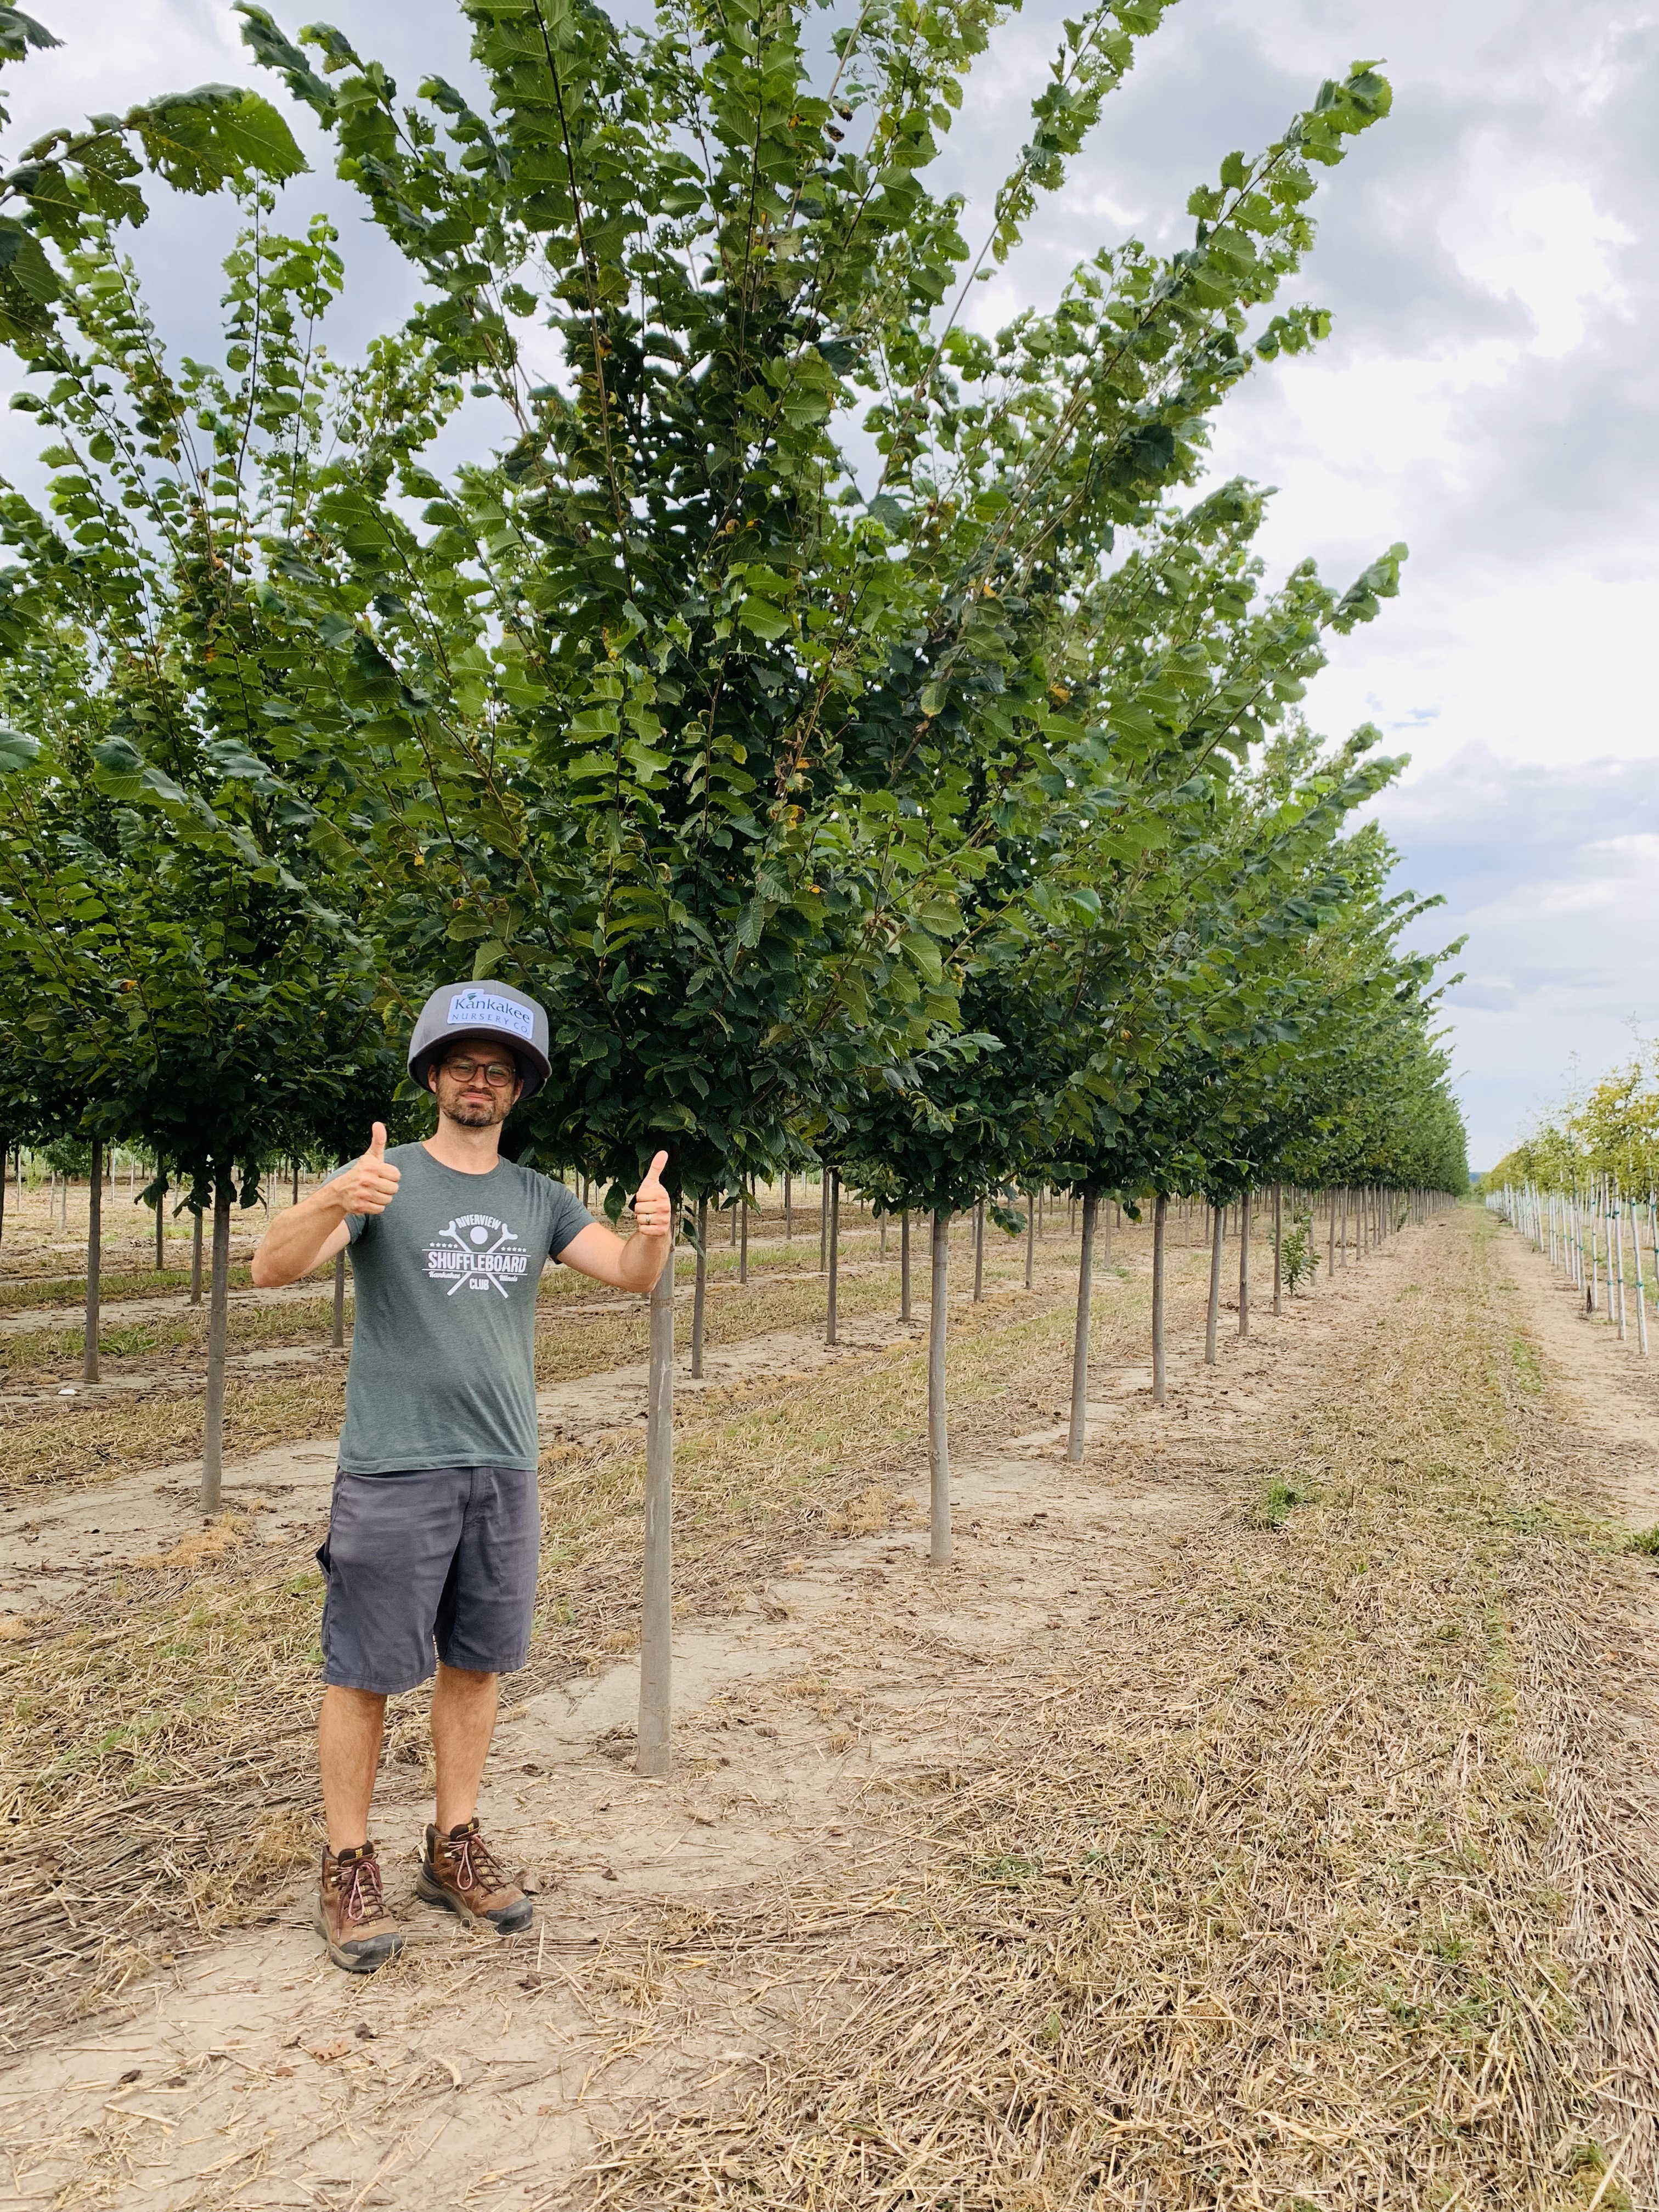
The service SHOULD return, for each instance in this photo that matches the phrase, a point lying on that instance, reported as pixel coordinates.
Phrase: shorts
(441, 1561)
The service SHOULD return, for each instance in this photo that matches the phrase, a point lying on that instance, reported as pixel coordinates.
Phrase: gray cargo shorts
(439, 1561)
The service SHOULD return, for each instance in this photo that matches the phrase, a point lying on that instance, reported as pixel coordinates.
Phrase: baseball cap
(486, 1009)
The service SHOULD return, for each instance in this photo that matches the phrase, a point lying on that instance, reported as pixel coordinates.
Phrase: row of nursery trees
(1585, 1186)
(857, 730)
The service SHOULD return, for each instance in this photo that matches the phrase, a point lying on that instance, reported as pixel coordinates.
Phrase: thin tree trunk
(1085, 1274)
(213, 1423)
(824, 1221)
(160, 1222)
(196, 1256)
(734, 1227)
(1244, 1265)
(938, 1431)
(5, 1148)
(835, 1255)
(979, 1250)
(657, 1587)
(743, 1237)
(882, 1248)
(296, 1179)
(904, 1264)
(1160, 1224)
(699, 1294)
(1279, 1249)
(1030, 1236)
(339, 1301)
(788, 1209)
(1218, 1224)
(94, 1258)
(1330, 1238)
(1111, 1222)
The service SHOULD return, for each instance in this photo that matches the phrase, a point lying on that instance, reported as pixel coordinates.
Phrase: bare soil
(1256, 1813)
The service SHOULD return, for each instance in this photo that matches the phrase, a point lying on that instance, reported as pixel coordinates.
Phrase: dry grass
(50, 1445)
(1252, 1895)
(158, 1728)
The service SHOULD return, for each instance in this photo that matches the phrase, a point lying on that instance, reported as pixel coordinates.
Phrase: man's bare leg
(463, 1721)
(349, 1731)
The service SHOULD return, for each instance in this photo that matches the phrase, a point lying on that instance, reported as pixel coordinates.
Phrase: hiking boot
(461, 1873)
(351, 1915)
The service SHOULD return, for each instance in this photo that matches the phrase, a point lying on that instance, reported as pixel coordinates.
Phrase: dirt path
(1184, 1844)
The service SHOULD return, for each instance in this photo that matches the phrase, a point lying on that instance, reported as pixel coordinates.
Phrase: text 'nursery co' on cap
(483, 1010)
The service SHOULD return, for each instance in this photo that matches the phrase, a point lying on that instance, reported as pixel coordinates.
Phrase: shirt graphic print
(476, 1252)
(443, 1348)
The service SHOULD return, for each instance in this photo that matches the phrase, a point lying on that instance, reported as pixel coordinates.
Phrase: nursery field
(1259, 1812)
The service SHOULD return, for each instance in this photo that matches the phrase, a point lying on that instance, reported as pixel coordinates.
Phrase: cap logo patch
(475, 1009)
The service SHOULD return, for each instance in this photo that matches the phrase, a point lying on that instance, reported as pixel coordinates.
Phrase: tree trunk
(835, 1255)
(1279, 1249)
(161, 1223)
(1330, 1238)
(339, 1301)
(296, 1179)
(213, 1423)
(938, 1429)
(1030, 1236)
(196, 1256)
(1160, 1224)
(1244, 1265)
(1111, 1221)
(1219, 1221)
(4, 1150)
(979, 1250)
(656, 1590)
(904, 1265)
(700, 1293)
(743, 1237)
(95, 1257)
(823, 1222)
(788, 1210)
(1085, 1273)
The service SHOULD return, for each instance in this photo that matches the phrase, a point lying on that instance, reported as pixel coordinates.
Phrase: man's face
(477, 1083)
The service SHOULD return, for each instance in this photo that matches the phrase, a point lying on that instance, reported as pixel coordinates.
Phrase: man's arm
(634, 1263)
(302, 1236)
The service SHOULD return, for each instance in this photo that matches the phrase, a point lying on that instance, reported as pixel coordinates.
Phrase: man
(434, 1531)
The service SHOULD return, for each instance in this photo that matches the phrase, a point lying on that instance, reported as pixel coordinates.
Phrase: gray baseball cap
(484, 1010)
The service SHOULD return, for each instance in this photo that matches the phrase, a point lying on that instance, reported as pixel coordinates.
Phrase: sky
(1486, 395)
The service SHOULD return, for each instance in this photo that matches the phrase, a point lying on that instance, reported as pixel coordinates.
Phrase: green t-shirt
(443, 1348)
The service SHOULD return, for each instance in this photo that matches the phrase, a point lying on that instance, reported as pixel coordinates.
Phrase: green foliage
(944, 809)
(1299, 1254)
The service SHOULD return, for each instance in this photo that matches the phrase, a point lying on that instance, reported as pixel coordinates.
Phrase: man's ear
(432, 1077)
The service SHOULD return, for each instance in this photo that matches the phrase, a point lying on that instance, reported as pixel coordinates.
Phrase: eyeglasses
(498, 1074)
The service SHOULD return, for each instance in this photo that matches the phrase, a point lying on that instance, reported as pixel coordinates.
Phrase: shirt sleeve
(568, 1217)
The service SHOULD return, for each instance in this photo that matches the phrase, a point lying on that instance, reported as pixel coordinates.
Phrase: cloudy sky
(1487, 394)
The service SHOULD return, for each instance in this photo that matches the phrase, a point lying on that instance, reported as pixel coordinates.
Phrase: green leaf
(18, 750)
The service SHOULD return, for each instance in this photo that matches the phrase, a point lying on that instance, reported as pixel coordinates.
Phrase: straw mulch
(157, 1768)
(1320, 1876)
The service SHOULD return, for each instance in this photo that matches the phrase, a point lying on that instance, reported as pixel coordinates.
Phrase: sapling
(1299, 1255)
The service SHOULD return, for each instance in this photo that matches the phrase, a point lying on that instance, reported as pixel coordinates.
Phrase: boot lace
(475, 1865)
(361, 1895)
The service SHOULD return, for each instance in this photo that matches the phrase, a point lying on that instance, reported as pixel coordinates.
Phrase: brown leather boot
(461, 1873)
(351, 1915)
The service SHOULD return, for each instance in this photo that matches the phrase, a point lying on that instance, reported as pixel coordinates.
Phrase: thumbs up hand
(653, 1209)
(370, 1184)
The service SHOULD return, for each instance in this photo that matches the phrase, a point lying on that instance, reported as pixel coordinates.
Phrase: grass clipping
(1263, 1898)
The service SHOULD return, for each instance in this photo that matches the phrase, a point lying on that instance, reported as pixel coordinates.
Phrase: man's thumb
(654, 1171)
(377, 1142)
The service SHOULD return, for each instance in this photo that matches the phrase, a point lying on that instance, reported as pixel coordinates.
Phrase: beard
(473, 1113)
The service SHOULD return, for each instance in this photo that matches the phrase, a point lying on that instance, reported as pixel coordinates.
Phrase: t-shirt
(443, 1348)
